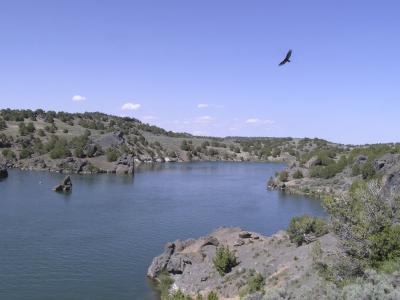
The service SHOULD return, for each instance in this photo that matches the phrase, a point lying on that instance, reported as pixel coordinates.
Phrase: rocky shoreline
(283, 265)
(385, 167)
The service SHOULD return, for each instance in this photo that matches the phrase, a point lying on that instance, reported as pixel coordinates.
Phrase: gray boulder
(92, 150)
(122, 169)
(244, 235)
(125, 164)
(210, 241)
(314, 161)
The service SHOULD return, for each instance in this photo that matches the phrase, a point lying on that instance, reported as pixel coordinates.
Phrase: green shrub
(212, 296)
(329, 170)
(284, 176)
(224, 260)
(316, 252)
(58, 147)
(386, 244)
(25, 153)
(78, 152)
(205, 144)
(51, 129)
(112, 154)
(8, 154)
(41, 132)
(364, 220)
(254, 284)
(367, 170)
(3, 124)
(212, 152)
(178, 295)
(355, 170)
(304, 225)
(298, 174)
(60, 151)
(187, 145)
(25, 129)
(276, 152)
(87, 133)
(165, 282)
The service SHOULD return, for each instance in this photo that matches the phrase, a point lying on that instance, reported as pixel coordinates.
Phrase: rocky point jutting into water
(282, 264)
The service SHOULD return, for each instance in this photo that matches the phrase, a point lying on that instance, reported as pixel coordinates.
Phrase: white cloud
(78, 98)
(202, 105)
(204, 120)
(130, 106)
(252, 121)
(257, 121)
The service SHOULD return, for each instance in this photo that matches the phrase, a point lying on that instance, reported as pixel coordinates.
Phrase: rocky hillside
(96, 142)
(328, 169)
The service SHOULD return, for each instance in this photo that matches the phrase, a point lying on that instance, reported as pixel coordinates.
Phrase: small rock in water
(65, 186)
(3, 172)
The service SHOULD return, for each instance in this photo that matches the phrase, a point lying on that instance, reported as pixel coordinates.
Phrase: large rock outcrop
(125, 164)
(280, 262)
(111, 139)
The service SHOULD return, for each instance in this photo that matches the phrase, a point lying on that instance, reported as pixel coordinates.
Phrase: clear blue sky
(164, 58)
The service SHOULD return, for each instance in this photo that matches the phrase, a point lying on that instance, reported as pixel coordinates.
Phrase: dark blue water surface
(97, 242)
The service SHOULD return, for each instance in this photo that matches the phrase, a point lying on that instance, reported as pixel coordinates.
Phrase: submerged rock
(65, 186)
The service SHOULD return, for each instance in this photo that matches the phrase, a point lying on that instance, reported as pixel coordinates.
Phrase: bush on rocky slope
(305, 229)
(224, 260)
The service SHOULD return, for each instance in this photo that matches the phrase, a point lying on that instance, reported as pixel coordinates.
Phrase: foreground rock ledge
(280, 262)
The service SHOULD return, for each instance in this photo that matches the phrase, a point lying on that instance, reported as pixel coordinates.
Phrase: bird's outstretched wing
(288, 55)
(286, 60)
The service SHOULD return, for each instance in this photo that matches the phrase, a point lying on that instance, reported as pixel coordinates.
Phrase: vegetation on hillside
(224, 260)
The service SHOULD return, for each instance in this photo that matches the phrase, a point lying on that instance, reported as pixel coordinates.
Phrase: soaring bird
(287, 58)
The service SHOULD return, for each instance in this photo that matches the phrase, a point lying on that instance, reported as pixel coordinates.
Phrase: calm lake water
(97, 242)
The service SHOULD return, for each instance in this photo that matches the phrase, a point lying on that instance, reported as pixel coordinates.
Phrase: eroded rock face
(111, 139)
(280, 262)
(125, 164)
(160, 262)
(64, 186)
